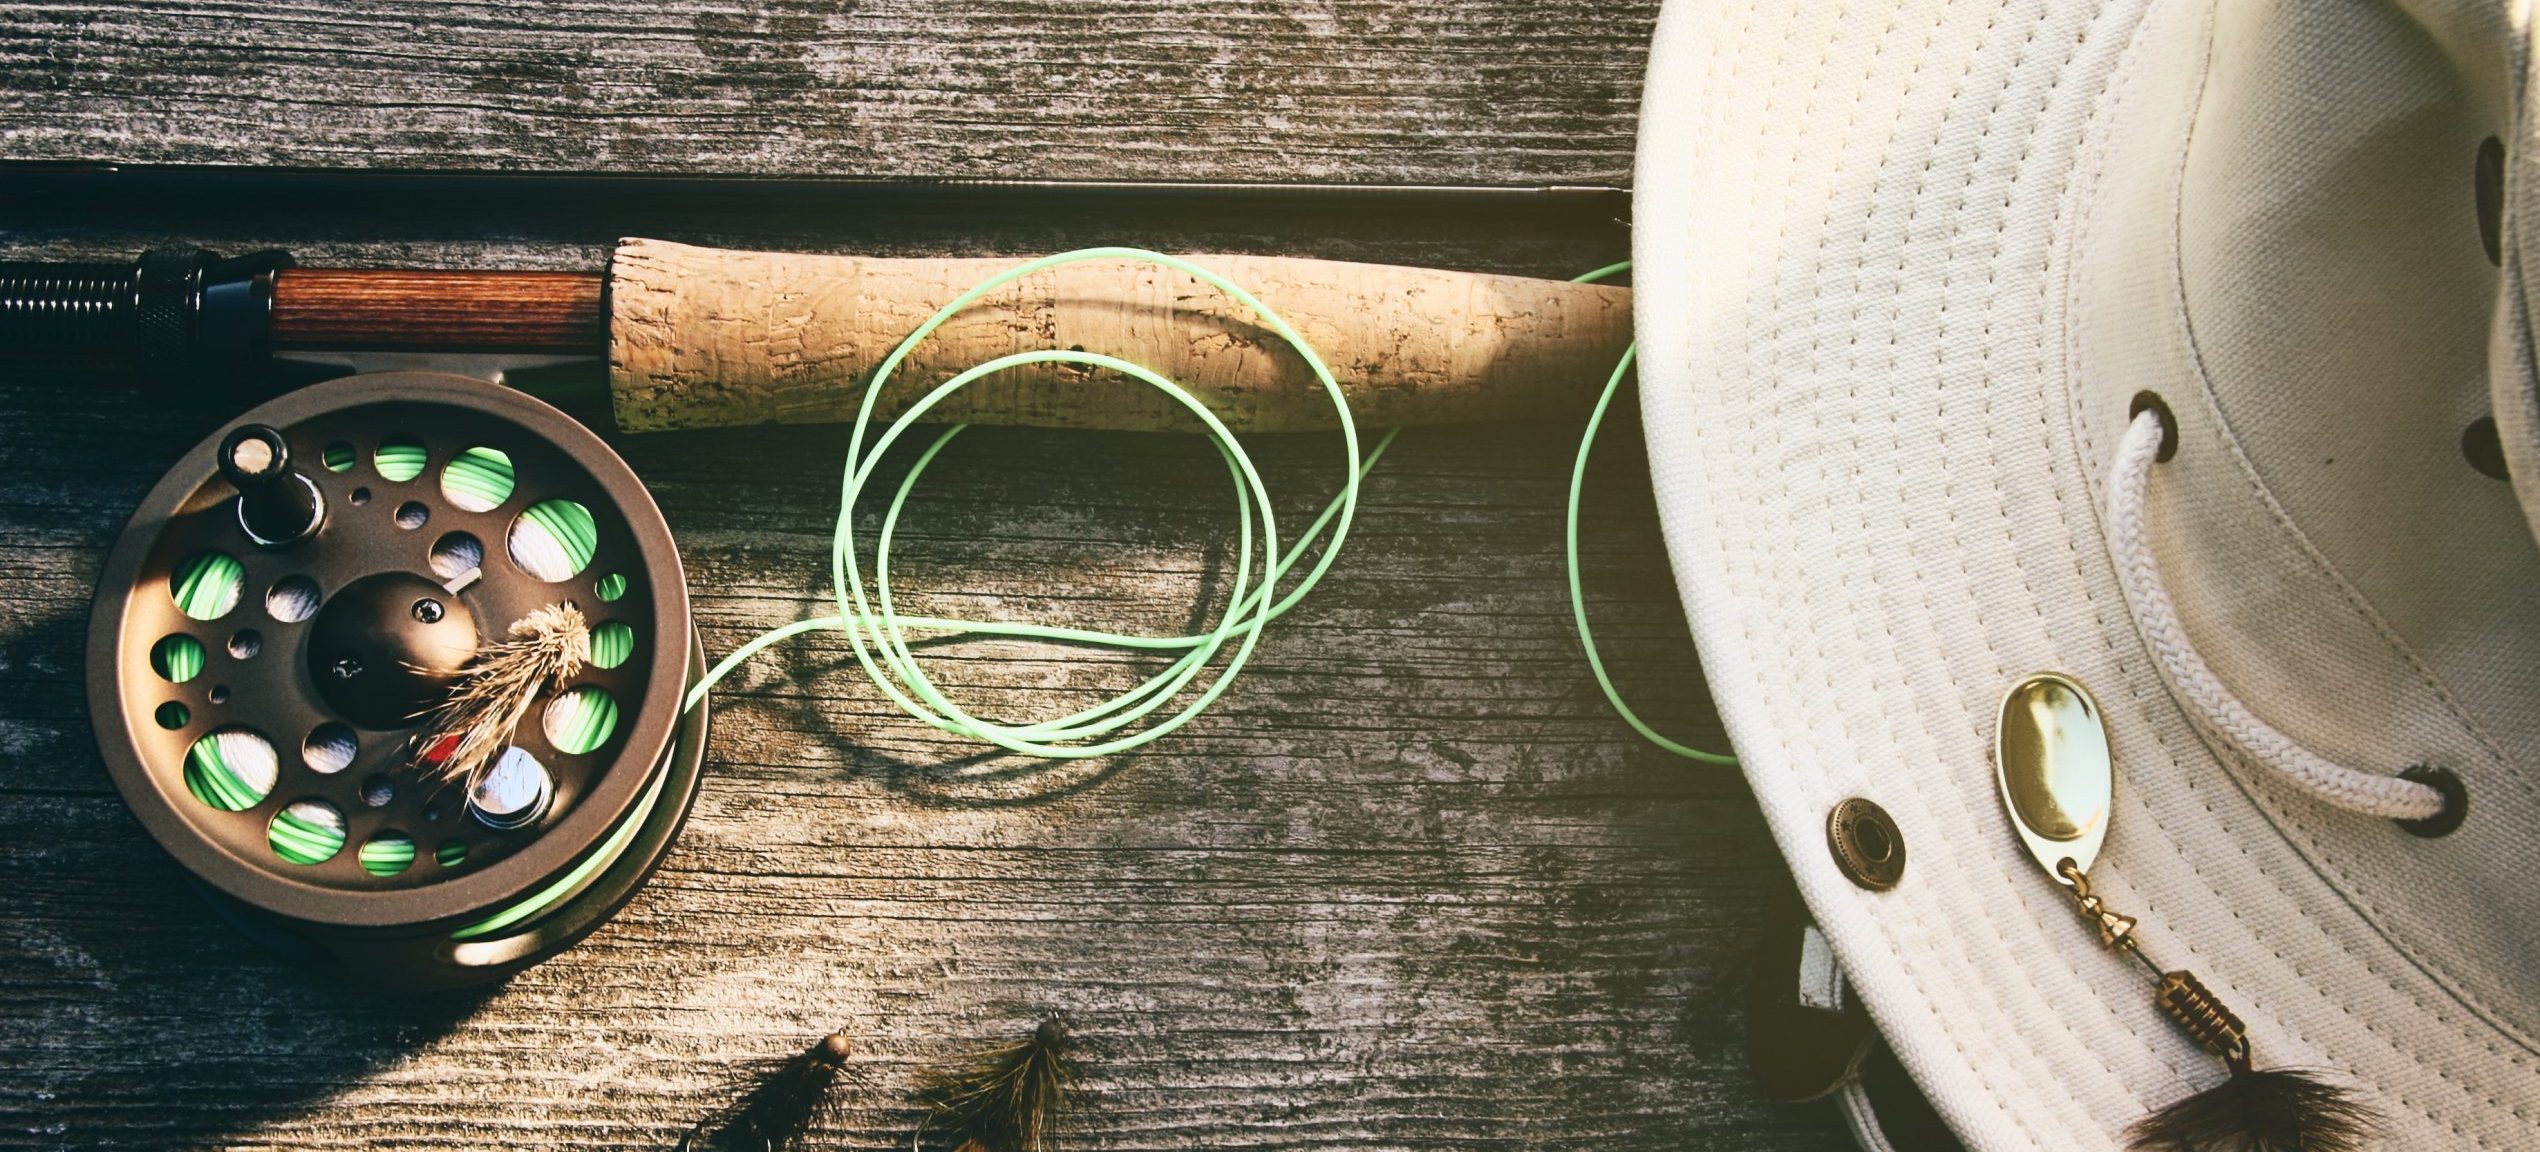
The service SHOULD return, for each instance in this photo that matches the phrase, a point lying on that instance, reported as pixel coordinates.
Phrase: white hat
(1902, 271)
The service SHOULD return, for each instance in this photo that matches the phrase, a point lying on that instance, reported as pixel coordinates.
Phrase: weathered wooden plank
(1495, 91)
(1409, 886)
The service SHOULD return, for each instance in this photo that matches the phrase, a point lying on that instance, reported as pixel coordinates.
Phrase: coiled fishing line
(878, 633)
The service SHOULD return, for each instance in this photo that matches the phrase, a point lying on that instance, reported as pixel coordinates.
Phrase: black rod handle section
(177, 317)
(65, 310)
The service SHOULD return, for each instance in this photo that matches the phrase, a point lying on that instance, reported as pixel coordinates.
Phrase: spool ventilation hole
(232, 769)
(177, 658)
(399, 459)
(579, 720)
(292, 599)
(206, 585)
(330, 749)
(387, 853)
(477, 480)
(554, 540)
(611, 643)
(455, 554)
(306, 832)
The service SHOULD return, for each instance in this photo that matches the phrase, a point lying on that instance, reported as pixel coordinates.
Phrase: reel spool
(306, 581)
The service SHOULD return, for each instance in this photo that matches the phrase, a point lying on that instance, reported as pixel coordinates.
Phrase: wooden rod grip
(703, 337)
(409, 309)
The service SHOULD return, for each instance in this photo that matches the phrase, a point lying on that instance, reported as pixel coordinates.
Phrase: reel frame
(257, 670)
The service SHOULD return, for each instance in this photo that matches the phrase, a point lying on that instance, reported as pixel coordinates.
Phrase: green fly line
(1570, 549)
(878, 633)
(478, 480)
(207, 585)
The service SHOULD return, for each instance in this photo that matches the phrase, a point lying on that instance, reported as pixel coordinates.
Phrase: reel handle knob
(277, 506)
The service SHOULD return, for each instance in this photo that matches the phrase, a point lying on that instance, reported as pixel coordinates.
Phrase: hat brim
(1850, 315)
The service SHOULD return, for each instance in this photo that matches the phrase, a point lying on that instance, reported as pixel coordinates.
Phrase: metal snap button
(1866, 844)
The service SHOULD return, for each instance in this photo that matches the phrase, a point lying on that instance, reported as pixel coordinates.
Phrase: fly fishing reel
(299, 608)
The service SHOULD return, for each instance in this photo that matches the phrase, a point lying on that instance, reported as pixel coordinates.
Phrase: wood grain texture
(421, 309)
(1490, 91)
(1409, 886)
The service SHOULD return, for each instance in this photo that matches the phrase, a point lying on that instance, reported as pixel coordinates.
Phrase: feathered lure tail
(1009, 1098)
(469, 727)
(2277, 1110)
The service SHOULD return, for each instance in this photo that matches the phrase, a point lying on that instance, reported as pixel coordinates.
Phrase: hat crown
(2284, 241)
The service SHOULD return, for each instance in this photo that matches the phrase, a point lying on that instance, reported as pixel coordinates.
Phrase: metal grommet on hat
(2484, 447)
(2455, 802)
(2487, 184)
(1866, 844)
(2152, 402)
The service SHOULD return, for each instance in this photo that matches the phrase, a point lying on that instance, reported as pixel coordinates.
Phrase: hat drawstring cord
(2139, 573)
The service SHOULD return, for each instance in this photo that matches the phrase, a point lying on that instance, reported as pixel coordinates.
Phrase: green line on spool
(178, 658)
(555, 539)
(307, 832)
(387, 854)
(581, 719)
(399, 460)
(219, 767)
(611, 643)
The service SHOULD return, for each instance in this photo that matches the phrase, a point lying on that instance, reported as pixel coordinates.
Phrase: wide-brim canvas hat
(2180, 347)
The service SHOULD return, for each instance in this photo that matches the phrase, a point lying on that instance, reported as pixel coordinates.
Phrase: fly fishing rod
(399, 665)
(692, 337)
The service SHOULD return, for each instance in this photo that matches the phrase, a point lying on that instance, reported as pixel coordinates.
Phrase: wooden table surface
(1409, 885)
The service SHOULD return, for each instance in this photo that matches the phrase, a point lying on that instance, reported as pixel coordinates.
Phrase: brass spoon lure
(2058, 781)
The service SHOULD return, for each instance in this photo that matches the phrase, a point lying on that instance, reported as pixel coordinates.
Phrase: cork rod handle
(703, 337)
